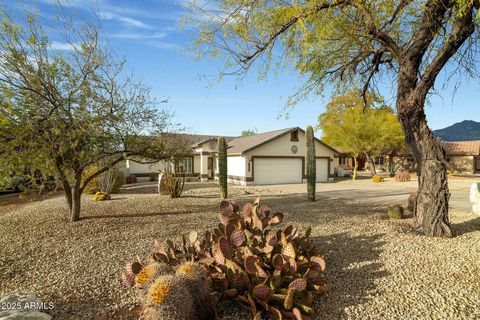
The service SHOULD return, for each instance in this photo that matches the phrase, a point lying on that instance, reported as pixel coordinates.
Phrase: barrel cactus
(222, 167)
(377, 179)
(395, 211)
(246, 259)
(311, 164)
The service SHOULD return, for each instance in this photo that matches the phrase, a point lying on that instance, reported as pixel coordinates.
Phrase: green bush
(377, 179)
(92, 186)
(119, 181)
(395, 211)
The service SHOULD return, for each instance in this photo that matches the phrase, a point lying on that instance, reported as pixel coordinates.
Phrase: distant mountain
(461, 131)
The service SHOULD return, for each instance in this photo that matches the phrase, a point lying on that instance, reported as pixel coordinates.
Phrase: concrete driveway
(389, 191)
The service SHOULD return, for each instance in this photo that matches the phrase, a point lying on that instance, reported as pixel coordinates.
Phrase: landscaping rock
(23, 307)
(475, 198)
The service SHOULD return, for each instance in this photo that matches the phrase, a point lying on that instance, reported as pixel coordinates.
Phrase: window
(185, 165)
(343, 160)
(410, 160)
(449, 159)
(379, 160)
(294, 135)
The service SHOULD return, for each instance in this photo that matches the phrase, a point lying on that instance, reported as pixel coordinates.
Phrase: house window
(449, 159)
(248, 166)
(410, 160)
(185, 165)
(379, 160)
(294, 135)
(343, 160)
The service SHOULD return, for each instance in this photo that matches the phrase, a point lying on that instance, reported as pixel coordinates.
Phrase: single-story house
(274, 157)
(462, 157)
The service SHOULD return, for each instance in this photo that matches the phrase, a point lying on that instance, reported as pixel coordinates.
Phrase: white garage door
(322, 170)
(277, 170)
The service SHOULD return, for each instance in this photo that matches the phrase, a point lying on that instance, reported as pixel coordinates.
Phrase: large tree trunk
(432, 197)
(68, 193)
(76, 201)
(355, 168)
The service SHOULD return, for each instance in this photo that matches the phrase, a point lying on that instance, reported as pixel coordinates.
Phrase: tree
(248, 132)
(339, 43)
(69, 111)
(350, 126)
(222, 166)
(311, 163)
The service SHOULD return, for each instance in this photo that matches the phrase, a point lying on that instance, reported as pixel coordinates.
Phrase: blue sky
(148, 35)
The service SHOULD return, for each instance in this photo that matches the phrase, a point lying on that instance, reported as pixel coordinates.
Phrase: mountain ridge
(461, 131)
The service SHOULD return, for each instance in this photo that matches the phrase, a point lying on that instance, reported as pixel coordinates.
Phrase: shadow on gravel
(352, 269)
(466, 227)
(152, 187)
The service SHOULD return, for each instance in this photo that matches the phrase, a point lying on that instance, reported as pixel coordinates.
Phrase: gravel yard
(379, 269)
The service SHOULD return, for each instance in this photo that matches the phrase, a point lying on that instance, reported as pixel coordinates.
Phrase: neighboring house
(275, 157)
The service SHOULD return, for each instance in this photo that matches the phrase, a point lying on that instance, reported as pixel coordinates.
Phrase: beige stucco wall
(283, 147)
(236, 166)
(196, 163)
(460, 164)
(139, 168)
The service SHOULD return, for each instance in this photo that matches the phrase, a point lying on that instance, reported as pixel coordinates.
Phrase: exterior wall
(349, 162)
(142, 168)
(196, 163)
(236, 170)
(282, 147)
(461, 164)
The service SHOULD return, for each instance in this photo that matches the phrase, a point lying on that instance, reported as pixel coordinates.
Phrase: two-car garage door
(285, 170)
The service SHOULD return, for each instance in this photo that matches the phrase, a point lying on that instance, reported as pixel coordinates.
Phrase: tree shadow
(469, 226)
(352, 269)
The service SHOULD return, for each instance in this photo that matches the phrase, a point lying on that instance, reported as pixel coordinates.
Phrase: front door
(477, 163)
(210, 168)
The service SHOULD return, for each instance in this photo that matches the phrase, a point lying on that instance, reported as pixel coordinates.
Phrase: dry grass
(379, 268)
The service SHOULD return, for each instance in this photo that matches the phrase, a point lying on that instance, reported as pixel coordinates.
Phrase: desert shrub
(111, 180)
(392, 169)
(101, 196)
(402, 177)
(377, 179)
(92, 186)
(395, 211)
(269, 270)
(174, 182)
(119, 182)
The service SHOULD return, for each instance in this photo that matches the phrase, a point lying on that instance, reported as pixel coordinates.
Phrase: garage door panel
(322, 170)
(277, 170)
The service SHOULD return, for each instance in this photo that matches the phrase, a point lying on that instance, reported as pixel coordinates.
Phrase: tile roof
(244, 144)
(462, 148)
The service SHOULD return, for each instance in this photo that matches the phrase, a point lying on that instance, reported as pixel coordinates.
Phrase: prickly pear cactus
(247, 258)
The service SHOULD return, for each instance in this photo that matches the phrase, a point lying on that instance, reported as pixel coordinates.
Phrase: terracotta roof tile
(462, 148)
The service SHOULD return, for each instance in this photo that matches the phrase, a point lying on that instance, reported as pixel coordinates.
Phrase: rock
(162, 187)
(475, 198)
(23, 307)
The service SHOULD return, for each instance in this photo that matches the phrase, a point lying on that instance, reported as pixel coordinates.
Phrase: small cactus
(395, 211)
(222, 167)
(311, 163)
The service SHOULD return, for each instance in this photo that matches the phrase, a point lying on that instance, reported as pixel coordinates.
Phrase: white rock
(23, 307)
(475, 198)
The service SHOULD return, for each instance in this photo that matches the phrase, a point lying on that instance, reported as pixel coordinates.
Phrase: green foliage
(392, 169)
(395, 211)
(92, 187)
(377, 179)
(101, 196)
(174, 182)
(119, 181)
(311, 163)
(249, 260)
(222, 167)
(249, 132)
(402, 177)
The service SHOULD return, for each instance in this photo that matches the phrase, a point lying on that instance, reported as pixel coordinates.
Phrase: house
(462, 157)
(274, 157)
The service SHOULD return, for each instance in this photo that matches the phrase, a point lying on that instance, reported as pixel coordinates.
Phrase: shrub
(377, 179)
(276, 271)
(111, 180)
(392, 169)
(395, 211)
(119, 181)
(402, 177)
(101, 196)
(92, 186)
(174, 183)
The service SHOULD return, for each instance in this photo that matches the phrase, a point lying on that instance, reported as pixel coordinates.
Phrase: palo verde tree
(72, 109)
(337, 44)
(353, 127)
(311, 163)
(222, 166)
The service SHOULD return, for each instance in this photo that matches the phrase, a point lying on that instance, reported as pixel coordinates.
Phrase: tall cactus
(222, 166)
(311, 164)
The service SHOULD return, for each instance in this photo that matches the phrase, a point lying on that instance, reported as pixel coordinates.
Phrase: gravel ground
(379, 269)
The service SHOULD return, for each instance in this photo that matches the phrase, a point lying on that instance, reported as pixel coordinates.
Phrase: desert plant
(311, 164)
(377, 179)
(101, 196)
(111, 180)
(402, 177)
(222, 167)
(275, 271)
(174, 182)
(392, 169)
(395, 211)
